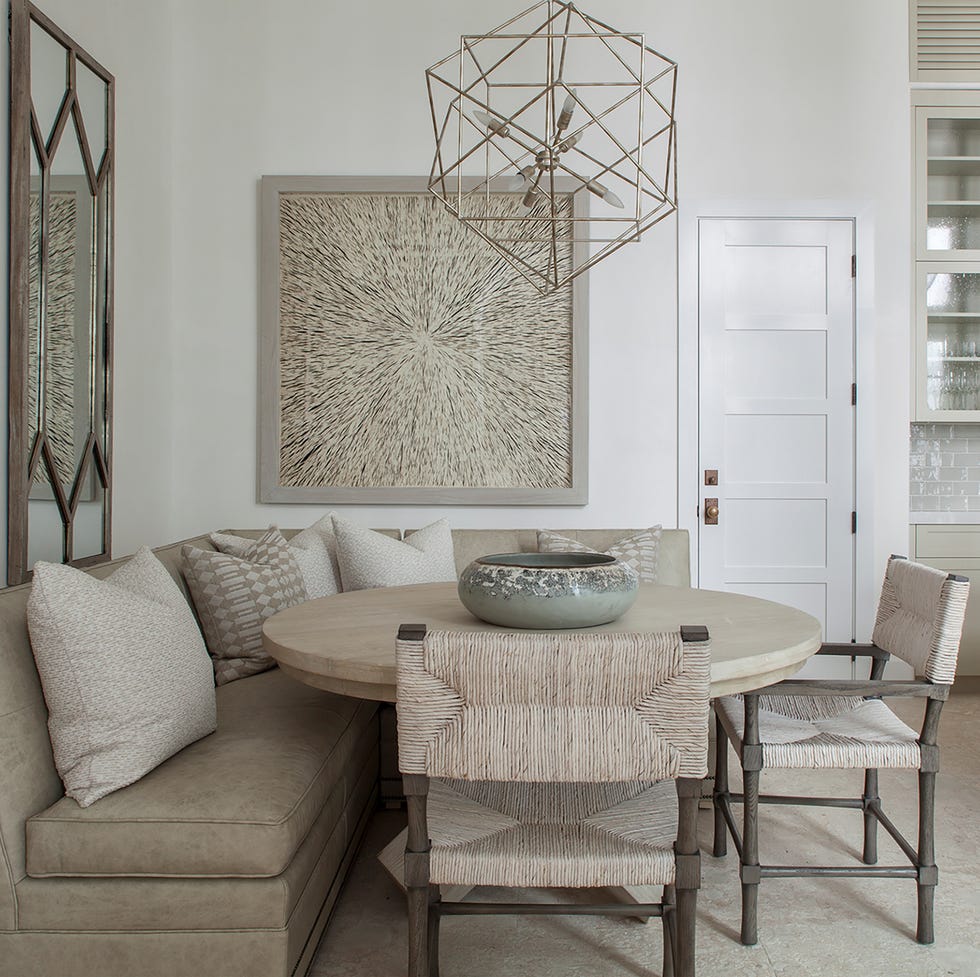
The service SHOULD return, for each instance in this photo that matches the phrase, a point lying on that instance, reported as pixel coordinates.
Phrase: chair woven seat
(553, 835)
(832, 733)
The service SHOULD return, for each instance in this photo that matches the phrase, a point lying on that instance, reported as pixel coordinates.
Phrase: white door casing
(776, 419)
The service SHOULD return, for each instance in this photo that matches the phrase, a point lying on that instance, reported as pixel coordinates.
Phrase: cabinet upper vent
(945, 40)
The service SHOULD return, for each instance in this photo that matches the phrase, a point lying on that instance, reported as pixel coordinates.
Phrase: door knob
(711, 511)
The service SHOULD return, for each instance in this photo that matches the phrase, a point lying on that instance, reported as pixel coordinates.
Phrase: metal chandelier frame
(514, 164)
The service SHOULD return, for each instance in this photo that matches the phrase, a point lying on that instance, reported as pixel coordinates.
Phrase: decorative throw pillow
(234, 596)
(314, 549)
(369, 559)
(125, 673)
(641, 550)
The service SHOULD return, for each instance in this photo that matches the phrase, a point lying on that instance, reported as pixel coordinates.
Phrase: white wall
(778, 102)
(339, 89)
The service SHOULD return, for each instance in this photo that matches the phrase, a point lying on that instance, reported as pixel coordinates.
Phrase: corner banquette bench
(224, 861)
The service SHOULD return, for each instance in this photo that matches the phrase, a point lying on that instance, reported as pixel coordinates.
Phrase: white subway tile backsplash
(944, 467)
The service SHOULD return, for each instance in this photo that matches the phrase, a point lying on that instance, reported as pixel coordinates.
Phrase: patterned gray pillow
(641, 550)
(315, 551)
(234, 596)
(126, 676)
(369, 559)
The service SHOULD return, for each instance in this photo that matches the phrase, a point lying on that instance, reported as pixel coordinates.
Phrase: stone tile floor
(808, 927)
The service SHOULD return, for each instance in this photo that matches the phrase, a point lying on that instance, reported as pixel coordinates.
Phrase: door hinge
(854, 522)
(854, 266)
(854, 394)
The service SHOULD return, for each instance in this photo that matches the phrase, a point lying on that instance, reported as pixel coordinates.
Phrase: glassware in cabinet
(947, 341)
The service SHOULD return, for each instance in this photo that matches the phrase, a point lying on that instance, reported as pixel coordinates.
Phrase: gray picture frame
(270, 487)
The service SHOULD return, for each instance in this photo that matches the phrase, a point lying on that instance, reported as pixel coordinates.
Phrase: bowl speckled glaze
(548, 590)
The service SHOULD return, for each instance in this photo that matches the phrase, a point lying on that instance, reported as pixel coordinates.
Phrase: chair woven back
(920, 618)
(585, 707)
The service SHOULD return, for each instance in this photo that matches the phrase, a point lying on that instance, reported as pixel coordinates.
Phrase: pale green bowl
(548, 591)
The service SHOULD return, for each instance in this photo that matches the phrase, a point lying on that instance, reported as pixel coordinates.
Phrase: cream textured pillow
(314, 549)
(125, 673)
(234, 596)
(641, 550)
(369, 559)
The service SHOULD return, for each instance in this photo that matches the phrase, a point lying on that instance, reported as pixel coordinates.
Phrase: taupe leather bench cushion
(237, 803)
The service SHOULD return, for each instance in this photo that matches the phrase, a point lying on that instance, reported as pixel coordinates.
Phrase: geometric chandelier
(555, 139)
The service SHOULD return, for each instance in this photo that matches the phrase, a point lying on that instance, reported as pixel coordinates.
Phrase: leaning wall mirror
(61, 203)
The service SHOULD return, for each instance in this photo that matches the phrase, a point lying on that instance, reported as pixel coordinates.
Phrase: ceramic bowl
(548, 590)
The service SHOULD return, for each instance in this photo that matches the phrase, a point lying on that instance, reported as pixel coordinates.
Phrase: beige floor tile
(808, 927)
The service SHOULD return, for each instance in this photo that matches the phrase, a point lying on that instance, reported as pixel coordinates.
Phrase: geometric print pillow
(314, 549)
(234, 596)
(641, 550)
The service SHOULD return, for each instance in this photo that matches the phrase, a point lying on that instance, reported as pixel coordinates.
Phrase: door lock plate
(711, 476)
(711, 512)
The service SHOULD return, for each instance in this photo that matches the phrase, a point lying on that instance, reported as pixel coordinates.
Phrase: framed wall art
(403, 361)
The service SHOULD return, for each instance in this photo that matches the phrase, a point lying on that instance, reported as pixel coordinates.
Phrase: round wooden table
(346, 643)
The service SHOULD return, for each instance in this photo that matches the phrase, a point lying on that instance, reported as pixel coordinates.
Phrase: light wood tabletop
(346, 643)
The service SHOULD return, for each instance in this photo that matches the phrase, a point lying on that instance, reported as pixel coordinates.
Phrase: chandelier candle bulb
(523, 178)
(530, 198)
(497, 127)
(572, 140)
(605, 193)
(568, 106)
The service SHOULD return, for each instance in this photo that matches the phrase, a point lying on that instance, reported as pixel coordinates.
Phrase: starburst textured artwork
(412, 363)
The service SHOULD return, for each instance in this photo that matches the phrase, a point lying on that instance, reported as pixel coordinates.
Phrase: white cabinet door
(776, 417)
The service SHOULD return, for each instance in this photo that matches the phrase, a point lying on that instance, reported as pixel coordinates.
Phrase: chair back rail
(554, 707)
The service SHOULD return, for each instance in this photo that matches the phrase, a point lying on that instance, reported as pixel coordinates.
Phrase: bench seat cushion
(236, 804)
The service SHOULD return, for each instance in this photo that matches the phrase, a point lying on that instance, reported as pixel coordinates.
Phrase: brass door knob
(711, 511)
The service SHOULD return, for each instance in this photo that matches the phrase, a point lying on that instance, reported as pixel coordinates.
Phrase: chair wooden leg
(669, 899)
(750, 860)
(687, 857)
(720, 848)
(926, 884)
(433, 930)
(749, 867)
(687, 906)
(418, 931)
(870, 853)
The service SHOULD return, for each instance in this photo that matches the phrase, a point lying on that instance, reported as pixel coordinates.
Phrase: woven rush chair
(845, 725)
(555, 756)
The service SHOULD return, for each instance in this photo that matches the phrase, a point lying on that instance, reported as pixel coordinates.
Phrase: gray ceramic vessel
(548, 590)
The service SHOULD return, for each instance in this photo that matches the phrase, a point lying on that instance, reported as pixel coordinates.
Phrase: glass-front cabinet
(948, 182)
(947, 353)
(947, 250)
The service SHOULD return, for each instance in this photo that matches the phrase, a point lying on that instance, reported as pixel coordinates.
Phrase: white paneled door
(776, 320)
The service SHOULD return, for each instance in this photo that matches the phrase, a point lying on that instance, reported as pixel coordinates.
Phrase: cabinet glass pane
(953, 177)
(953, 341)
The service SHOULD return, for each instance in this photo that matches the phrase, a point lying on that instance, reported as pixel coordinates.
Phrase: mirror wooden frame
(28, 444)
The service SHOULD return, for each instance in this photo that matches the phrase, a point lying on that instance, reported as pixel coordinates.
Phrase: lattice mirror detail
(61, 202)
